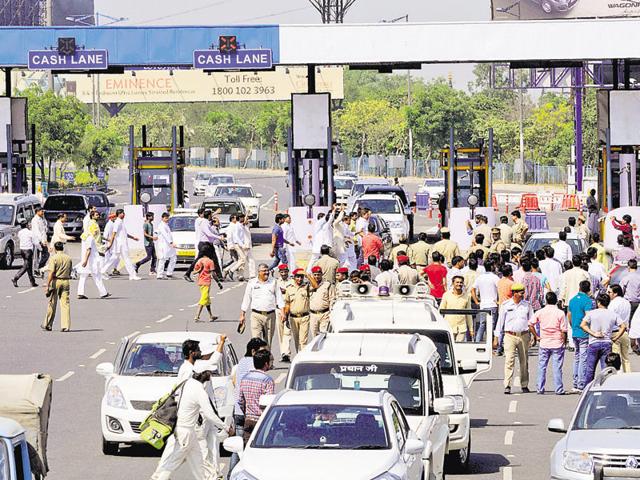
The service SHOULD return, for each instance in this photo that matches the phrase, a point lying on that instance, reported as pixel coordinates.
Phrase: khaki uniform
(622, 348)
(284, 332)
(401, 247)
(297, 299)
(320, 303)
(498, 246)
(419, 254)
(505, 234)
(475, 248)
(518, 231)
(329, 265)
(60, 267)
(408, 275)
(485, 230)
(447, 248)
(460, 324)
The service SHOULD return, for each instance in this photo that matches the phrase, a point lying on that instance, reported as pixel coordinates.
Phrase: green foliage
(99, 148)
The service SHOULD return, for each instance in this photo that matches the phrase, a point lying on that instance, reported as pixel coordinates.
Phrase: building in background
(23, 13)
(61, 9)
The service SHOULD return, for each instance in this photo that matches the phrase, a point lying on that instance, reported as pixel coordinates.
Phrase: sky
(223, 12)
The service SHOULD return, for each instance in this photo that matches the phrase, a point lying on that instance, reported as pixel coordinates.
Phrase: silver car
(602, 440)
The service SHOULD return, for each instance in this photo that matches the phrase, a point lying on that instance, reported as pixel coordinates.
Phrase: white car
(246, 194)
(204, 180)
(342, 185)
(218, 179)
(540, 240)
(182, 225)
(412, 310)
(387, 206)
(434, 187)
(407, 366)
(145, 369)
(321, 435)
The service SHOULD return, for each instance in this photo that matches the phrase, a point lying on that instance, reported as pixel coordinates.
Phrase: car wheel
(546, 7)
(109, 448)
(7, 259)
(459, 461)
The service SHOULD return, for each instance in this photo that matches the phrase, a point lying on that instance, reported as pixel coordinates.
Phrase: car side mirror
(258, 195)
(414, 446)
(112, 205)
(233, 444)
(105, 369)
(468, 366)
(444, 405)
(556, 425)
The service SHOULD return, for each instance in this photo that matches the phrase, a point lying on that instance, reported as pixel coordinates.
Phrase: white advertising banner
(563, 9)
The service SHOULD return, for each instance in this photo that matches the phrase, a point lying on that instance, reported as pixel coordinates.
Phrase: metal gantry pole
(609, 171)
(490, 168)
(452, 166)
(578, 127)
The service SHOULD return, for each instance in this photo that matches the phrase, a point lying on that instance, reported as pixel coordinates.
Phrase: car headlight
(395, 224)
(242, 475)
(458, 402)
(387, 476)
(579, 462)
(115, 398)
(1, 234)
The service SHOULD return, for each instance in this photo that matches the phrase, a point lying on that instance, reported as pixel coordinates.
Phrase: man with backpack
(182, 444)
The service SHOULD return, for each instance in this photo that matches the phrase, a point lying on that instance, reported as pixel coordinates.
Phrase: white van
(407, 366)
(410, 309)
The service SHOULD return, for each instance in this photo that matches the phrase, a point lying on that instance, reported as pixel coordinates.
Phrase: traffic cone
(275, 202)
(430, 213)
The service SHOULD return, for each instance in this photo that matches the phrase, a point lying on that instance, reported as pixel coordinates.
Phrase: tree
(60, 126)
(99, 148)
(271, 124)
(549, 133)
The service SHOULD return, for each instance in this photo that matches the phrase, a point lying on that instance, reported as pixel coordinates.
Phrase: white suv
(407, 366)
(13, 209)
(323, 435)
(387, 206)
(602, 440)
(411, 310)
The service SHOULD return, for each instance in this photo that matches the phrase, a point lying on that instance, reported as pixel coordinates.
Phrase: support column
(7, 82)
(311, 79)
(579, 84)
(452, 165)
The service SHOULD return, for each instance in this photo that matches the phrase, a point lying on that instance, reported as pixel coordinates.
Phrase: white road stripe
(507, 473)
(147, 326)
(133, 334)
(164, 319)
(191, 306)
(65, 376)
(111, 343)
(513, 406)
(268, 201)
(81, 365)
(281, 377)
(508, 437)
(27, 290)
(8, 296)
(223, 291)
(98, 353)
(181, 309)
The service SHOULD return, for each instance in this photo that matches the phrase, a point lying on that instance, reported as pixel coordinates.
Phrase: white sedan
(326, 434)
(145, 369)
(246, 194)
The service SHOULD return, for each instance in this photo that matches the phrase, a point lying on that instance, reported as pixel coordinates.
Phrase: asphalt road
(509, 432)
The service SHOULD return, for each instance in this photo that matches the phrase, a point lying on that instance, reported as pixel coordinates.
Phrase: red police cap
(316, 269)
(283, 266)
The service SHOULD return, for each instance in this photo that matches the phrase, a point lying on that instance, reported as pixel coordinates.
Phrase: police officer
(296, 307)
(420, 252)
(320, 303)
(57, 288)
(342, 274)
(498, 244)
(446, 247)
(284, 330)
(406, 274)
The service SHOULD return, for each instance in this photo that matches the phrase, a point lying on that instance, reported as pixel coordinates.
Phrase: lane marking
(111, 343)
(147, 326)
(508, 437)
(507, 473)
(513, 406)
(281, 377)
(65, 376)
(81, 365)
(517, 423)
(164, 319)
(224, 291)
(8, 296)
(181, 310)
(98, 353)
(191, 306)
(133, 334)
(27, 290)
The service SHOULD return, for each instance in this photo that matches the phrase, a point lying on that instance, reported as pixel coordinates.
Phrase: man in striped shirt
(255, 384)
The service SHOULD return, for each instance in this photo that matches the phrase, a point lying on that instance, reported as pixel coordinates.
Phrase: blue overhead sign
(258, 59)
(81, 60)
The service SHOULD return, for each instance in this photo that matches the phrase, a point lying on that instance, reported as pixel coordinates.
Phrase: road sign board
(241, 60)
(101, 175)
(69, 176)
(81, 60)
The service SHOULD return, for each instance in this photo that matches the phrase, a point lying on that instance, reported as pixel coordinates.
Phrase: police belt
(299, 315)
(319, 312)
(261, 312)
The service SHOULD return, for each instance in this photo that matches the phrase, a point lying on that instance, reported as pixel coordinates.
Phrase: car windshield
(97, 200)
(6, 214)
(403, 381)
(64, 202)
(602, 410)
(219, 180)
(147, 359)
(343, 183)
(182, 223)
(380, 206)
(227, 208)
(337, 427)
(360, 187)
(234, 192)
(536, 243)
(434, 182)
(203, 176)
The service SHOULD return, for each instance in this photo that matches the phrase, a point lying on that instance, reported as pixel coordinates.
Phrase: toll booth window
(6, 214)
(149, 179)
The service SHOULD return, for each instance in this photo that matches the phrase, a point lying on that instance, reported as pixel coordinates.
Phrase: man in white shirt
(250, 267)
(25, 238)
(622, 308)
(321, 236)
(484, 292)
(119, 247)
(59, 235)
(562, 249)
(388, 278)
(107, 234)
(596, 268)
(552, 269)
(183, 444)
(292, 240)
(90, 263)
(165, 249)
(263, 297)
(87, 217)
(39, 229)
(235, 243)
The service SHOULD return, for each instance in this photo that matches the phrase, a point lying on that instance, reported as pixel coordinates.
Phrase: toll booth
(618, 176)
(471, 176)
(157, 173)
(14, 146)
